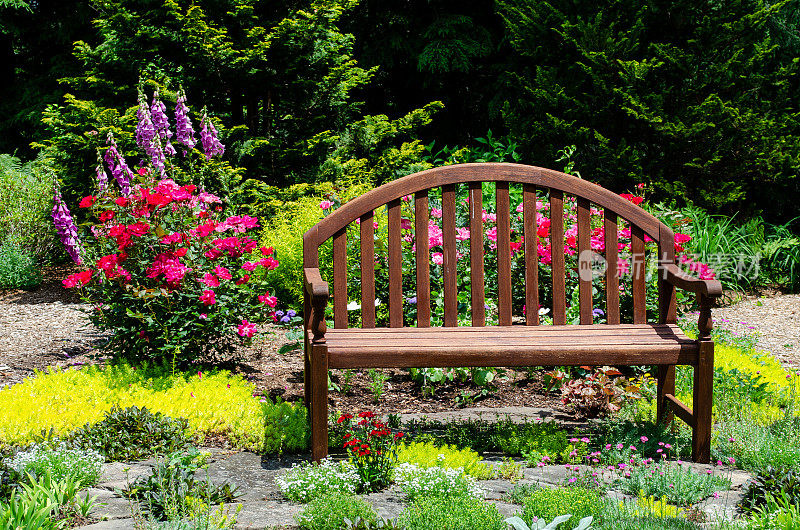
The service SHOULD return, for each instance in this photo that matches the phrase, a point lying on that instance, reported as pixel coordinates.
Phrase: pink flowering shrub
(167, 271)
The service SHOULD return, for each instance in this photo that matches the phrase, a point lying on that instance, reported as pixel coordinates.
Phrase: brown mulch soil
(273, 373)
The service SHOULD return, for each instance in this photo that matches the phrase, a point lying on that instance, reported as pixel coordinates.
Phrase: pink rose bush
(166, 269)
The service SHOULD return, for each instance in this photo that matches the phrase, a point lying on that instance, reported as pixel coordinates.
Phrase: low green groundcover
(214, 403)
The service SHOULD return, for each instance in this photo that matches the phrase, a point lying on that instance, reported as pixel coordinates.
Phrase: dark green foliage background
(698, 98)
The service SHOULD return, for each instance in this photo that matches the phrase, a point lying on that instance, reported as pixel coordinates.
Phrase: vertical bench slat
(612, 262)
(531, 255)
(449, 261)
(395, 266)
(557, 256)
(478, 294)
(367, 270)
(667, 310)
(340, 279)
(584, 265)
(503, 254)
(638, 270)
(423, 259)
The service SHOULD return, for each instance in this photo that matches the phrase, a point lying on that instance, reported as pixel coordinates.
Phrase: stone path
(264, 507)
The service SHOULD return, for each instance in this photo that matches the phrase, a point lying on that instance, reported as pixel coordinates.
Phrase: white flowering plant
(418, 482)
(60, 462)
(307, 481)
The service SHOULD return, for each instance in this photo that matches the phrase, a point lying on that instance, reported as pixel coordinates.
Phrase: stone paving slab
(263, 506)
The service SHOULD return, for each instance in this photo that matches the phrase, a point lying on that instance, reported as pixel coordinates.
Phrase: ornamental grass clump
(166, 269)
(372, 448)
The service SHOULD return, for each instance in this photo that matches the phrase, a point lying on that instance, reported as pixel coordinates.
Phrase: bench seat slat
(510, 346)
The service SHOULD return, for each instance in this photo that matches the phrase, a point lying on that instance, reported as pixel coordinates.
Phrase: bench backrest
(532, 179)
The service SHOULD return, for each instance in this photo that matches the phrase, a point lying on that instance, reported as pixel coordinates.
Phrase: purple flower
(208, 136)
(597, 312)
(285, 319)
(145, 130)
(291, 313)
(412, 300)
(102, 178)
(65, 227)
(119, 168)
(159, 115)
(183, 125)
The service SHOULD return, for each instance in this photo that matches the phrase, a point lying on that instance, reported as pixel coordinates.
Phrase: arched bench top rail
(483, 172)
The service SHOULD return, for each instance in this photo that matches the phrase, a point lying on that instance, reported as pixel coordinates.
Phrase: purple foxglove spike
(157, 156)
(119, 168)
(102, 178)
(183, 124)
(65, 227)
(169, 150)
(208, 137)
(158, 111)
(145, 130)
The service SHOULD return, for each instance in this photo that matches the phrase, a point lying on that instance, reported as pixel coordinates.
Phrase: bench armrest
(706, 291)
(314, 285)
(709, 288)
(317, 292)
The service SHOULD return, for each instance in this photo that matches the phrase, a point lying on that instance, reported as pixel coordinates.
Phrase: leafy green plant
(423, 483)
(26, 192)
(599, 392)
(756, 446)
(328, 512)
(520, 492)
(777, 513)
(133, 434)
(782, 255)
(426, 454)
(519, 524)
(780, 483)
(18, 268)
(366, 524)
(173, 489)
(307, 481)
(677, 483)
(60, 462)
(45, 503)
(377, 384)
(451, 512)
(549, 503)
(508, 469)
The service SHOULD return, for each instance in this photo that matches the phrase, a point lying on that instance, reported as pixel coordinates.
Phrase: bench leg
(666, 385)
(703, 400)
(319, 402)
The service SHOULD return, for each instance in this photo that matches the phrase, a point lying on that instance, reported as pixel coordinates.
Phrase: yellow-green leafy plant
(426, 454)
(213, 403)
(652, 506)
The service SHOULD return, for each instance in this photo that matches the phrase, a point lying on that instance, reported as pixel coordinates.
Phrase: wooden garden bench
(615, 343)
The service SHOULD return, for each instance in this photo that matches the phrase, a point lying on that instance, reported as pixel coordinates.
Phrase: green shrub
(173, 489)
(451, 513)
(426, 454)
(133, 434)
(307, 481)
(17, 268)
(756, 446)
(549, 503)
(545, 438)
(329, 512)
(778, 513)
(59, 462)
(771, 481)
(26, 198)
(214, 403)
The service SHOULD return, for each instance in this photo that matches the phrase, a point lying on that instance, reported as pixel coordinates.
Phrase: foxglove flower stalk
(119, 168)
(65, 227)
(102, 178)
(145, 130)
(159, 117)
(208, 136)
(157, 156)
(183, 125)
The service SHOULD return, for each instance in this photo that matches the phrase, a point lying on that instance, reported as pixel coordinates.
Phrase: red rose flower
(87, 201)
